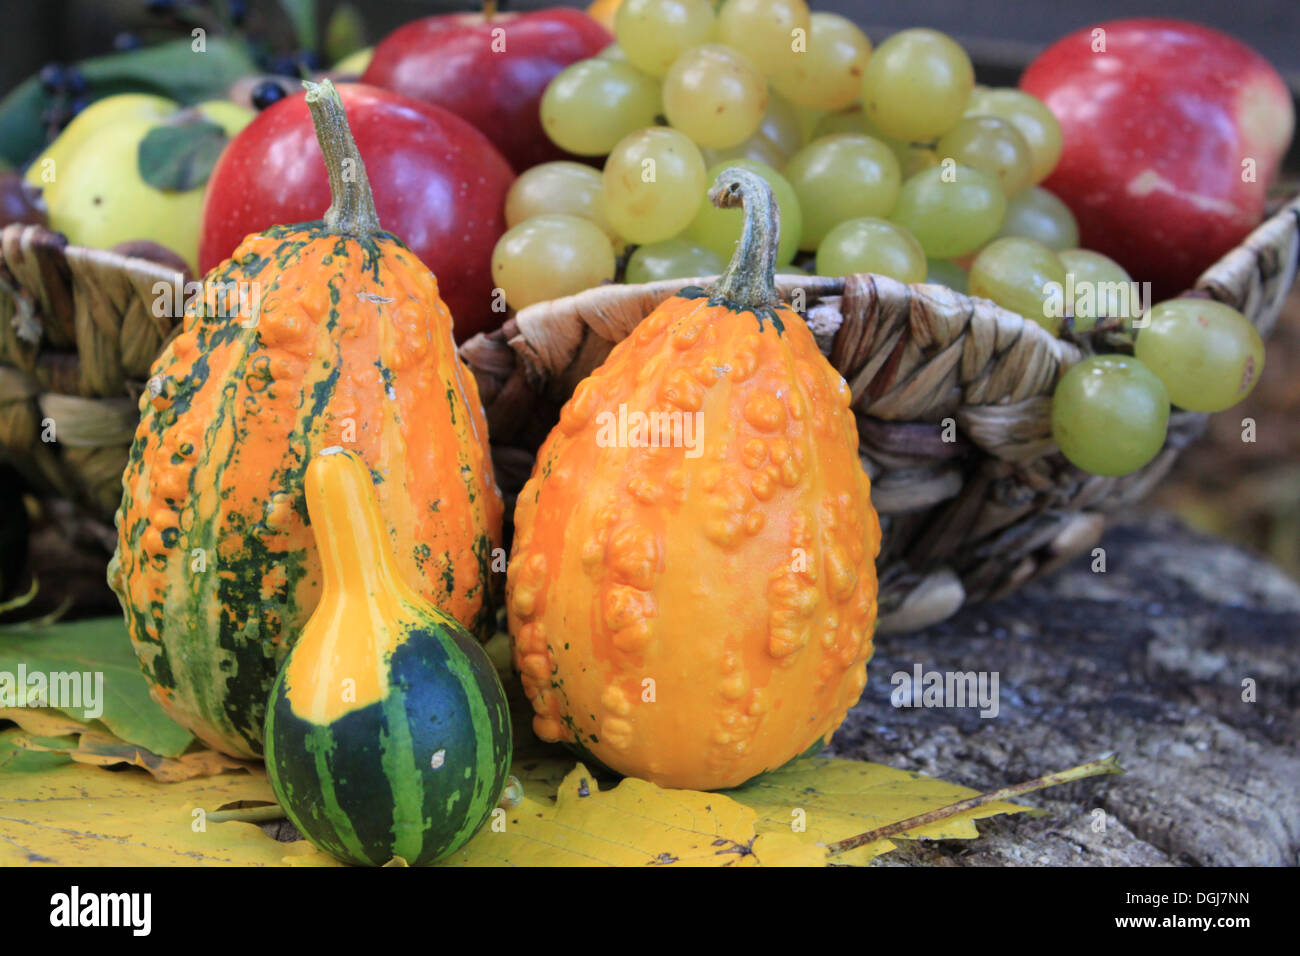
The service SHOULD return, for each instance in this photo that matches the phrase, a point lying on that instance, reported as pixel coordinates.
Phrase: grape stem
(748, 281)
(352, 205)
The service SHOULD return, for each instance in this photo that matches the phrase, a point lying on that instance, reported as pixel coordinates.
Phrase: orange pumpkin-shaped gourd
(692, 590)
(339, 337)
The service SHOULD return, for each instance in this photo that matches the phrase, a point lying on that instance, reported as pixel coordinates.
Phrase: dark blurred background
(1003, 33)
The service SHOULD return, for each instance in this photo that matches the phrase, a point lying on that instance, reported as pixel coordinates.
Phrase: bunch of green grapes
(886, 160)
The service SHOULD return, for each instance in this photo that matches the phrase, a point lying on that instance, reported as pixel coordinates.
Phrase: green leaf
(178, 157)
(302, 14)
(21, 759)
(100, 646)
(173, 69)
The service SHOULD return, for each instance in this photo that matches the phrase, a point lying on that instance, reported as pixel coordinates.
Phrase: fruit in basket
(551, 256)
(594, 103)
(916, 85)
(652, 34)
(992, 145)
(828, 76)
(1037, 214)
(951, 210)
(326, 333)
(134, 167)
(1109, 414)
(695, 607)
(1172, 134)
(765, 31)
(653, 183)
(715, 95)
(1208, 354)
(1100, 288)
(839, 177)
(411, 762)
(871, 245)
(438, 183)
(1032, 119)
(489, 69)
(561, 187)
(672, 259)
(1023, 276)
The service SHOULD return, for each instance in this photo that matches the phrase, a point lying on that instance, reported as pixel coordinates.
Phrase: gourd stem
(748, 281)
(350, 534)
(352, 206)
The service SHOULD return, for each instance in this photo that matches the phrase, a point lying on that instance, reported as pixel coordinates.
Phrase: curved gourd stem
(352, 205)
(349, 530)
(748, 281)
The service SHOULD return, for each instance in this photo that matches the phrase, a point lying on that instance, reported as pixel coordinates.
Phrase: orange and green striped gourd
(692, 589)
(387, 730)
(339, 338)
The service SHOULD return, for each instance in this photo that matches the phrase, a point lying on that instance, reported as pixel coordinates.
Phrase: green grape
(916, 84)
(851, 120)
(952, 210)
(592, 104)
(911, 158)
(551, 256)
(1109, 414)
(672, 259)
(842, 177)
(719, 229)
(992, 145)
(828, 75)
(564, 188)
(1098, 287)
(763, 30)
(778, 138)
(613, 52)
(715, 95)
(1208, 354)
(654, 33)
(1031, 117)
(947, 272)
(653, 182)
(1038, 214)
(790, 269)
(1023, 276)
(871, 245)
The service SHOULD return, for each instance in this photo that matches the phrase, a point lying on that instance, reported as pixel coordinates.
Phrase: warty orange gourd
(698, 610)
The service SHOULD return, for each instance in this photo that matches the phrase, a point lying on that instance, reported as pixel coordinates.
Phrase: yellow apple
(134, 166)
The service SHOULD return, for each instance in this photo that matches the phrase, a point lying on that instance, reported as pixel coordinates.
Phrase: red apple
(490, 70)
(1172, 132)
(439, 186)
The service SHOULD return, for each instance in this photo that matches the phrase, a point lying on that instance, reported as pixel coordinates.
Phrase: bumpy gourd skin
(696, 621)
(215, 564)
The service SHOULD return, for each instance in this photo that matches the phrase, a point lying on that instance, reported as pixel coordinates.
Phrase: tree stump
(1182, 657)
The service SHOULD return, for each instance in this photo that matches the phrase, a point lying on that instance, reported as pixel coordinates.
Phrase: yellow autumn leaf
(91, 742)
(76, 815)
(633, 824)
(826, 800)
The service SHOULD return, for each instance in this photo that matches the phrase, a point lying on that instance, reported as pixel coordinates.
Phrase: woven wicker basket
(963, 520)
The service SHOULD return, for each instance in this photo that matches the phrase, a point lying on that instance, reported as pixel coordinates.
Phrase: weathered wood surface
(1147, 660)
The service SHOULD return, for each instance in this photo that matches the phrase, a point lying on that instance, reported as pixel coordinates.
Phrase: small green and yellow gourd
(387, 731)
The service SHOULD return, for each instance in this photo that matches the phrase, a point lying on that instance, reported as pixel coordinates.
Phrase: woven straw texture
(963, 520)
